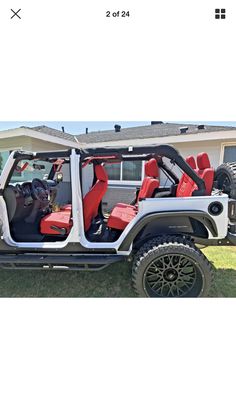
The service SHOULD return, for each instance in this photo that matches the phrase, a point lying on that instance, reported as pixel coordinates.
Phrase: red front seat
(60, 222)
(94, 197)
(205, 171)
(122, 214)
(56, 223)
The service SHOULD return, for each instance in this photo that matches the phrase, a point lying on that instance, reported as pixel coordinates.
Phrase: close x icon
(15, 13)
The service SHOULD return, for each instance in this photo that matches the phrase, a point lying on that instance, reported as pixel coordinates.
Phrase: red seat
(94, 197)
(186, 185)
(192, 162)
(52, 223)
(205, 171)
(151, 181)
(122, 214)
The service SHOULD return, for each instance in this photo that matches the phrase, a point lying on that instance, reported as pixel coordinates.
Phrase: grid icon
(220, 13)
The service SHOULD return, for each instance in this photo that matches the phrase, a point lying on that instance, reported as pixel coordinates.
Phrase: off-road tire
(176, 249)
(225, 178)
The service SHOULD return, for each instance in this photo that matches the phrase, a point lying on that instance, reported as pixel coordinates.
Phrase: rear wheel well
(184, 226)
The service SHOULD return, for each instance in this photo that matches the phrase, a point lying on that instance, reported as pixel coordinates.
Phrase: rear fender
(195, 223)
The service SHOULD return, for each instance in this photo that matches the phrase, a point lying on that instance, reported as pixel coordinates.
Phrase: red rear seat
(186, 185)
(205, 171)
(122, 214)
(151, 181)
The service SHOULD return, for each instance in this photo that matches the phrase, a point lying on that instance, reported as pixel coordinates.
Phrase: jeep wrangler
(54, 217)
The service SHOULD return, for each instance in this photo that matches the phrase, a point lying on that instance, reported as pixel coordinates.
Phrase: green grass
(111, 282)
(224, 260)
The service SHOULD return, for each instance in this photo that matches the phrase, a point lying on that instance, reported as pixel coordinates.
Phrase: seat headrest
(203, 161)
(151, 168)
(191, 161)
(101, 173)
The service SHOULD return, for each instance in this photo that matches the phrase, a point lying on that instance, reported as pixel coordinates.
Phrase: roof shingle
(147, 131)
(54, 132)
(140, 132)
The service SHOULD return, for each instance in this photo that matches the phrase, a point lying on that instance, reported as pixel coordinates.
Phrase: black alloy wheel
(172, 275)
(171, 266)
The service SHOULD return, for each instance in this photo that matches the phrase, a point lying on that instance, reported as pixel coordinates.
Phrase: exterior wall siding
(213, 148)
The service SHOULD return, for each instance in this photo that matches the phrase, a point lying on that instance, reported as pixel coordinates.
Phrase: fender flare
(201, 216)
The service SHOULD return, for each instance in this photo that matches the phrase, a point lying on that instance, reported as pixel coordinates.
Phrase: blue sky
(74, 127)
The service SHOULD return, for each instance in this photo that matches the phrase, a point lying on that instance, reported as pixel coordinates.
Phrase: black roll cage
(127, 154)
(145, 153)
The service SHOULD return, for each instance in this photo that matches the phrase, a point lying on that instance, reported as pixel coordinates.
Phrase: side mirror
(59, 177)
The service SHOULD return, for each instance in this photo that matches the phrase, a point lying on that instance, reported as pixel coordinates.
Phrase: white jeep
(161, 231)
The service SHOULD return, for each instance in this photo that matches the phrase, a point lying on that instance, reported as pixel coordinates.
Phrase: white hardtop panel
(193, 203)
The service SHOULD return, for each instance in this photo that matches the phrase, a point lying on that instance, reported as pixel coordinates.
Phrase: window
(127, 171)
(229, 153)
(113, 170)
(132, 170)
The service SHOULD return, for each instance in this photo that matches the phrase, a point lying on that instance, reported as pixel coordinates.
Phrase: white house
(218, 141)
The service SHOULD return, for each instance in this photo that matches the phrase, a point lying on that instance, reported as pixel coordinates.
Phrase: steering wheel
(40, 191)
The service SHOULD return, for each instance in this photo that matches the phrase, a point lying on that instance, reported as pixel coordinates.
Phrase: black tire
(171, 267)
(225, 178)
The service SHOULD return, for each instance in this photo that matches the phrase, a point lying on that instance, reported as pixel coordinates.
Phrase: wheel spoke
(171, 287)
(154, 282)
(157, 285)
(150, 275)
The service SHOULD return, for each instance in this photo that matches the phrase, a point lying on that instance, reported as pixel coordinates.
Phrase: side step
(58, 262)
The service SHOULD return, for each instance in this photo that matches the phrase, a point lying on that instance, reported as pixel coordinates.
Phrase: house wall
(27, 143)
(213, 148)
(38, 145)
(15, 143)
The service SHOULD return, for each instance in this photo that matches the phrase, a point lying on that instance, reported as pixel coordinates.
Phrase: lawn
(224, 260)
(112, 282)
